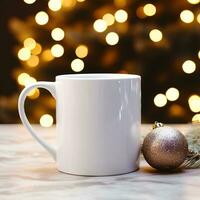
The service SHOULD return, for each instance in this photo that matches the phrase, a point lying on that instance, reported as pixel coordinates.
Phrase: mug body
(98, 123)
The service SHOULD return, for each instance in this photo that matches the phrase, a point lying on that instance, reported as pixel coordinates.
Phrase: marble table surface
(28, 172)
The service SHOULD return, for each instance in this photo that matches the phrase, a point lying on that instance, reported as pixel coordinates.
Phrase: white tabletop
(28, 172)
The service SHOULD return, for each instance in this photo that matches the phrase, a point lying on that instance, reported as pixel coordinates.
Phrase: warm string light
(57, 34)
(55, 5)
(198, 18)
(29, 52)
(29, 43)
(68, 4)
(25, 79)
(189, 66)
(24, 54)
(112, 38)
(46, 120)
(176, 110)
(37, 50)
(172, 94)
(33, 61)
(47, 55)
(187, 16)
(22, 78)
(77, 65)
(155, 35)
(120, 3)
(109, 19)
(194, 103)
(196, 118)
(81, 51)
(121, 16)
(149, 9)
(160, 100)
(100, 25)
(193, 1)
(29, 1)
(199, 54)
(41, 18)
(29, 81)
(57, 50)
(34, 94)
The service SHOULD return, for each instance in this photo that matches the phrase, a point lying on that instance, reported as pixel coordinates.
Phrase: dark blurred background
(159, 40)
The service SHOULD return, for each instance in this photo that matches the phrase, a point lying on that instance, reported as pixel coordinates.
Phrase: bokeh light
(34, 94)
(120, 3)
(176, 110)
(57, 50)
(149, 9)
(80, 33)
(172, 94)
(41, 18)
(155, 35)
(46, 120)
(187, 16)
(33, 61)
(112, 38)
(29, 80)
(198, 18)
(24, 54)
(109, 19)
(160, 100)
(25, 79)
(100, 25)
(81, 51)
(37, 50)
(68, 3)
(194, 103)
(189, 66)
(57, 34)
(29, 1)
(77, 65)
(121, 16)
(193, 1)
(21, 79)
(55, 5)
(29, 43)
(196, 118)
(47, 55)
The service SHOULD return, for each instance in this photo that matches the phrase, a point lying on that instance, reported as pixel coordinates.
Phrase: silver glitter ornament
(165, 148)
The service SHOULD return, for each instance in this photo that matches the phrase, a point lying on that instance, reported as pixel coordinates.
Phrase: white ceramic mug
(98, 122)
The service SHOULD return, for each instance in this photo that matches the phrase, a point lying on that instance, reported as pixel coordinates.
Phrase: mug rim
(97, 76)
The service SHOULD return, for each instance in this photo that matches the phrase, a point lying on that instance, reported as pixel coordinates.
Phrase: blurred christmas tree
(160, 40)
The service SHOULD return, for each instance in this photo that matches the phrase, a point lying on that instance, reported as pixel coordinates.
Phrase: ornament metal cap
(157, 124)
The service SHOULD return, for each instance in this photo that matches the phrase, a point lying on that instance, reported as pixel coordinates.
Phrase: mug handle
(50, 86)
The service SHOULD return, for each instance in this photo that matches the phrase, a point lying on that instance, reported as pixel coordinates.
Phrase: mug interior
(97, 76)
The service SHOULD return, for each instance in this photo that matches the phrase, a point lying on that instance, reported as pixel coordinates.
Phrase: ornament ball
(165, 148)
